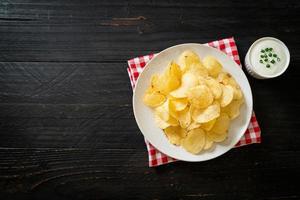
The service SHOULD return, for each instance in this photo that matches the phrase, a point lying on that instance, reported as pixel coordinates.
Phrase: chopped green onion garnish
(268, 57)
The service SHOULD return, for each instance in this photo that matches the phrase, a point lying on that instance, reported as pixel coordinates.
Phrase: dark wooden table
(67, 129)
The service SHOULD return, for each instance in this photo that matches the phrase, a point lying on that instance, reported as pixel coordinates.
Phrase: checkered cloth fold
(228, 46)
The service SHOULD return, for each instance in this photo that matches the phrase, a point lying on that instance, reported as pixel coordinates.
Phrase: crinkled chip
(231, 80)
(207, 114)
(237, 94)
(163, 111)
(216, 137)
(184, 117)
(222, 124)
(186, 59)
(154, 99)
(175, 134)
(233, 109)
(188, 81)
(208, 142)
(195, 141)
(200, 96)
(172, 112)
(207, 126)
(174, 70)
(169, 80)
(220, 130)
(173, 121)
(226, 79)
(202, 80)
(198, 69)
(193, 125)
(227, 95)
(214, 86)
(213, 66)
(178, 104)
(160, 123)
(154, 82)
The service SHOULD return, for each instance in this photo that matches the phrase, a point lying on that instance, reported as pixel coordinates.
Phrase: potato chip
(186, 59)
(173, 121)
(184, 117)
(200, 96)
(173, 112)
(195, 141)
(202, 80)
(227, 95)
(175, 134)
(188, 81)
(154, 82)
(207, 114)
(233, 109)
(212, 65)
(237, 94)
(198, 69)
(208, 142)
(169, 80)
(207, 126)
(193, 125)
(216, 137)
(226, 79)
(166, 84)
(174, 70)
(163, 111)
(222, 124)
(231, 80)
(154, 99)
(220, 130)
(214, 86)
(160, 123)
(178, 104)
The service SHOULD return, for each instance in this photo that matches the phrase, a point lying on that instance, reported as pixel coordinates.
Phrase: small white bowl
(251, 66)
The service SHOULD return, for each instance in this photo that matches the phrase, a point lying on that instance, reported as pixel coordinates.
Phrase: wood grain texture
(93, 31)
(118, 173)
(67, 129)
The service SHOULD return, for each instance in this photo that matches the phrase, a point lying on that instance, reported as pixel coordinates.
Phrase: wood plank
(250, 172)
(94, 32)
(71, 83)
(89, 104)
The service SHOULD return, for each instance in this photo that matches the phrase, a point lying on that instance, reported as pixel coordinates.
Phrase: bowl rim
(247, 121)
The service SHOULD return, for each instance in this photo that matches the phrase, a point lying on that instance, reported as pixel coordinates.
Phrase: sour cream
(267, 58)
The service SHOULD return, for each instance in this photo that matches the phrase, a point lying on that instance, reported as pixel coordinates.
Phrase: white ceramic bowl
(145, 117)
(250, 67)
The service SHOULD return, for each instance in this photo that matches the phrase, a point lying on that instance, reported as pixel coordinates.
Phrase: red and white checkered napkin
(228, 46)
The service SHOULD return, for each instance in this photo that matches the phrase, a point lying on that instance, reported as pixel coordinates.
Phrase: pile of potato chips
(194, 101)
